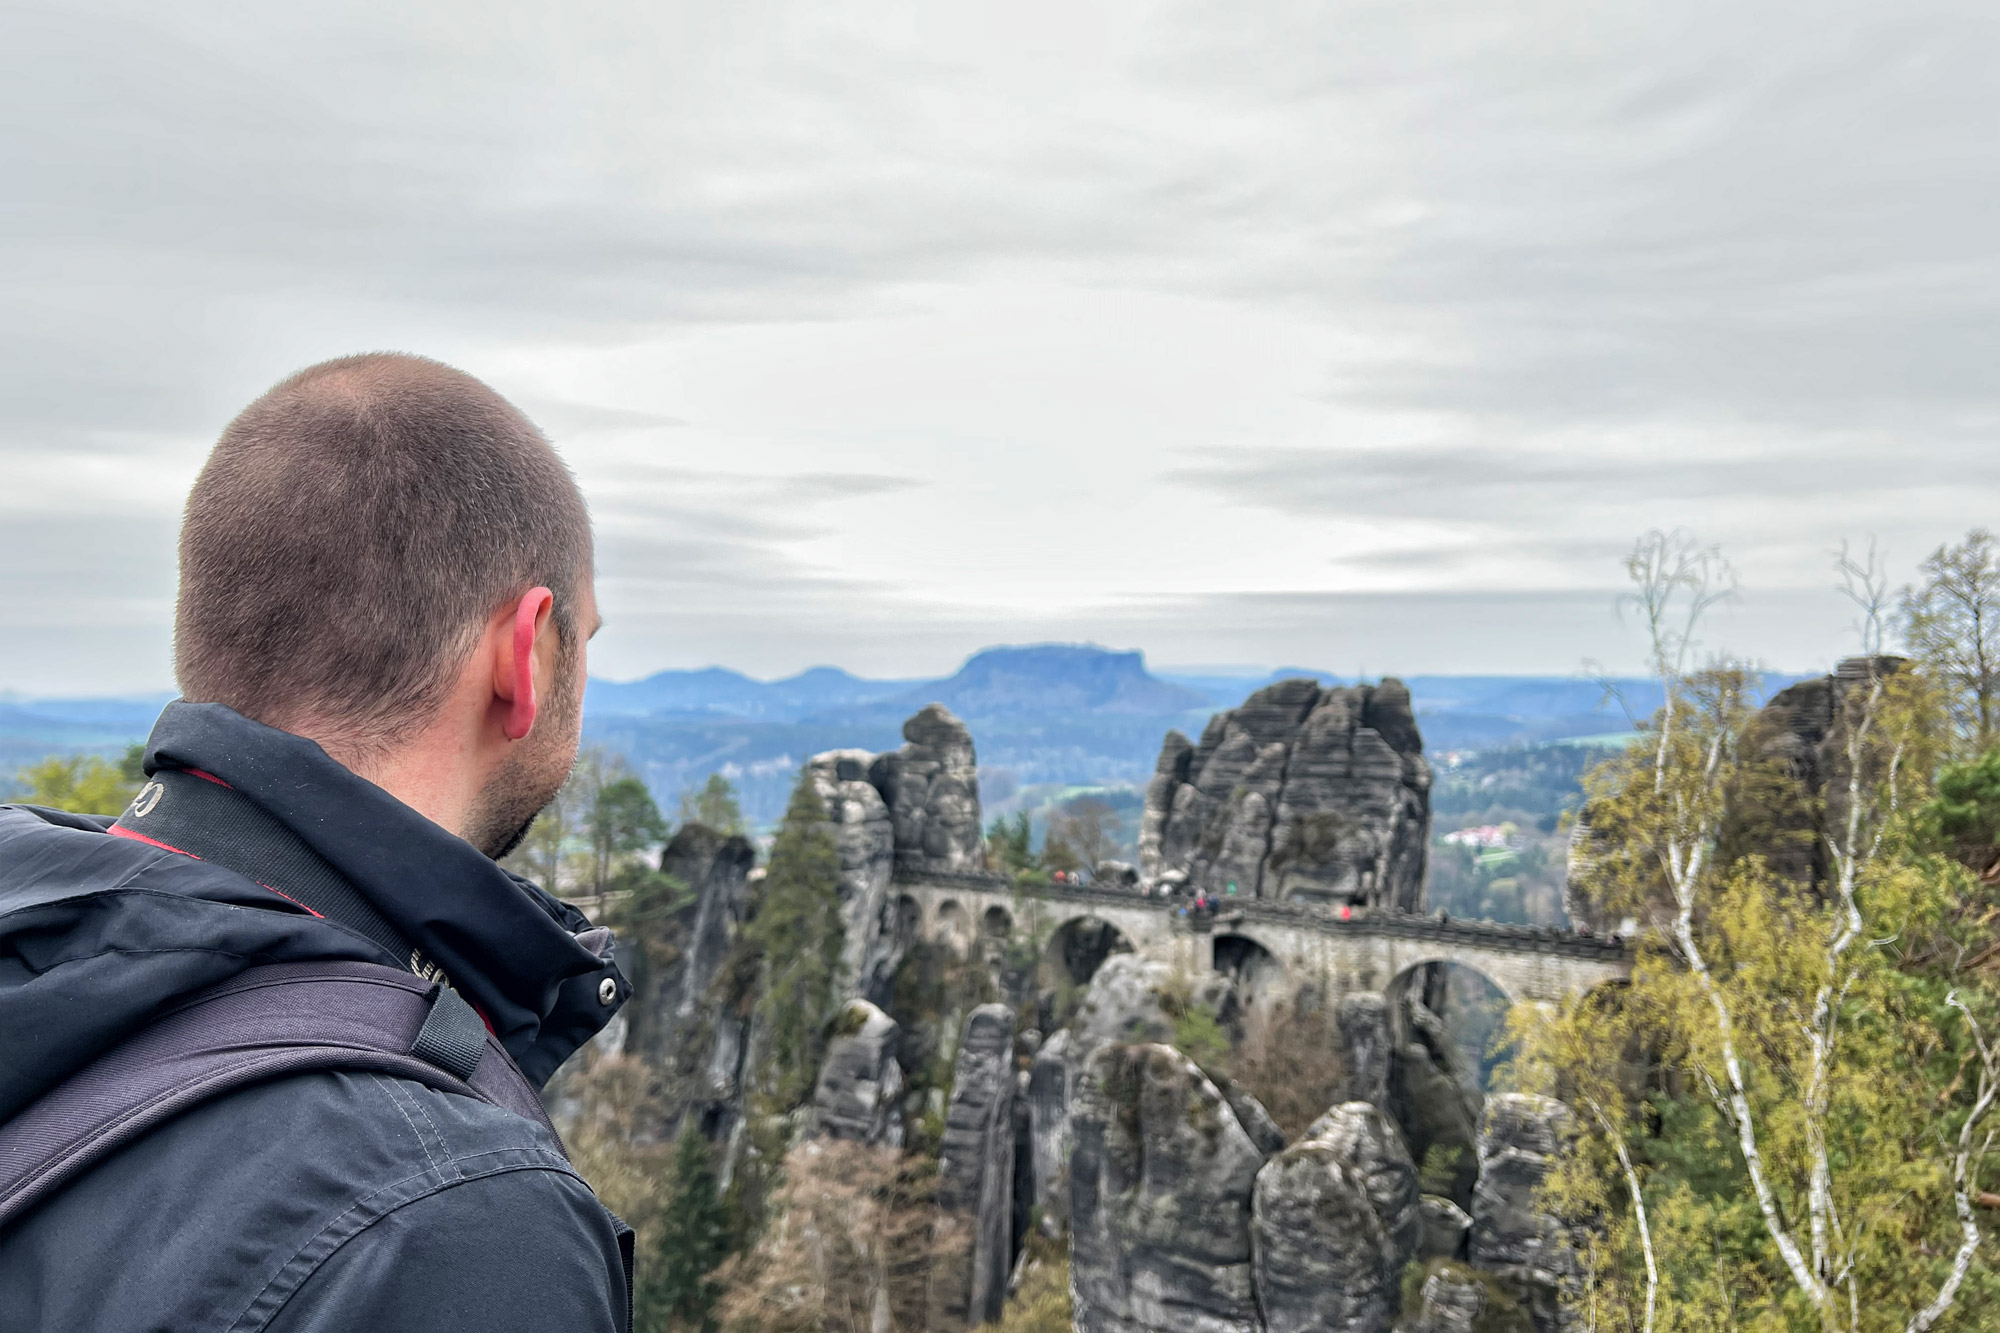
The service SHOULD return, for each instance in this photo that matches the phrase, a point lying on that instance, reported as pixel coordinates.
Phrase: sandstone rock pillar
(975, 1192)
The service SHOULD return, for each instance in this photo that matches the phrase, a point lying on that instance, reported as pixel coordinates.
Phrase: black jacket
(319, 1202)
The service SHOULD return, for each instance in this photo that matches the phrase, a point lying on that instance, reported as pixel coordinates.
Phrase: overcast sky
(1360, 336)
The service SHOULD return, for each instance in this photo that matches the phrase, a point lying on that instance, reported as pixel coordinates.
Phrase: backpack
(265, 1023)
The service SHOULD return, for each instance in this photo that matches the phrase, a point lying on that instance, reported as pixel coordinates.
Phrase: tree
(850, 1247)
(797, 934)
(714, 804)
(592, 830)
(1041, 1304)
(622, 821)
(1951, 623)
(677, 1289)
(1783, 1114)
(1010, 845)
(81, 784)
(1082, 835)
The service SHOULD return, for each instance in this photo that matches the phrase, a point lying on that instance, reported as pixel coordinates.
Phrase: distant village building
(1487, 837)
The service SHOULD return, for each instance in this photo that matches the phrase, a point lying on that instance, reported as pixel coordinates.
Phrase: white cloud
(880, 332)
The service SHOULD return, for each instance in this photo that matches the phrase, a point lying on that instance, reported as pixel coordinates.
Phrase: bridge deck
(1545, 940)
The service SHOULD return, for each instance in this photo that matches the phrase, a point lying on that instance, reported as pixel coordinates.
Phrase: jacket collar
(507, 946)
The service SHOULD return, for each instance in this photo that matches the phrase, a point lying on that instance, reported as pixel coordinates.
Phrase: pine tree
(798, 931)
(675, 1290)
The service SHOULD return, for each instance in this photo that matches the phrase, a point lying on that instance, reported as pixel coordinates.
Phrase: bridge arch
(1470, 1003)
(953, 926)
(1255, 968)
(908, 920)
(1080, 944)
(1409, 969)
(997, 923)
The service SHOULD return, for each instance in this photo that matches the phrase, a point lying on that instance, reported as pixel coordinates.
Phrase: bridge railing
(1364, 921)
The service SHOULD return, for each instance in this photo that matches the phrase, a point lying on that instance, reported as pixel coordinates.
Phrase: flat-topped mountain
(1057, 678)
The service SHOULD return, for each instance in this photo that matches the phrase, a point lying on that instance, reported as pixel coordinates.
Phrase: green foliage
(713, 804)
(622, 819)
(1521, 886)
(852, 1019)
(1500, 1310)
(1200, 1038)
(797, 932)
(1439, 1172)
(81, 784)
(676, 1291)
(1779, 1035)
(594, 829)
(930, 992)
(1010, 846)
(1041, 1304)
(1964, 817)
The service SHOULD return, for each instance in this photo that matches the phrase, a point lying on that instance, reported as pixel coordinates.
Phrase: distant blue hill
(720, 691)
(1041, 714)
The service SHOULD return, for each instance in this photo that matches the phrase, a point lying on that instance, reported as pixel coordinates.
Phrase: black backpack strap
(265, 1023)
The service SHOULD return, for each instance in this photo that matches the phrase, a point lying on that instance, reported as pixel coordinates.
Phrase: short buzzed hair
(352, 532)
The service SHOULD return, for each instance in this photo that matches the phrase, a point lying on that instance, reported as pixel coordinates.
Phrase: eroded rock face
(976, 1173)
(860, 1090)
(1304, 793)
(1048, 1121)
(1161, 1180)
(931, 788)
(866, 840)
(1519, 1141)
(1803, 733)
(1335, 1220)
(1367, 1044)
(1432, 1094)
(1446, 1228)
(1127, 1002)
(674, 1023)
(1452, 1304)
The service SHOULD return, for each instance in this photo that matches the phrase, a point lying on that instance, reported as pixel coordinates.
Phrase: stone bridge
(1368, 953)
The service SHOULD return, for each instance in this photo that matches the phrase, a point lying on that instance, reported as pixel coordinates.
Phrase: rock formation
(1400, 1057)
(1367, 1048)
(675, 1026)
(1446, 1228)
(1519, 1141)
(866, 841)
(1127, 1002)
(1796, 753)
(1303, 793)
(860, 1090)
(918, 807)
(1452, 1303)
(1048, 1129)
(976, 1174)
(931, 786)
(1804, 730)
(1161, 1178)
(1335, 1219)
(1432, 1095)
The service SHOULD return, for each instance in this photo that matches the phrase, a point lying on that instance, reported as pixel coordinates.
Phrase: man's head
(358, 564)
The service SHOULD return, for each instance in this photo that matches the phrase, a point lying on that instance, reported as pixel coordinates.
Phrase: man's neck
(430, 772)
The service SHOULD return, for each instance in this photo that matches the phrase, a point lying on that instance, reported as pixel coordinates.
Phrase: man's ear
(516, 679)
